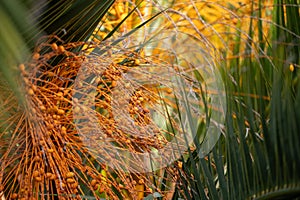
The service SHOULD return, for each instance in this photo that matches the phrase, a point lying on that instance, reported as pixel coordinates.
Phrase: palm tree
(244, 146)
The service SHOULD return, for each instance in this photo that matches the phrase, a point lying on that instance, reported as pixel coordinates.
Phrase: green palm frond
(23, 23)
(258, 157)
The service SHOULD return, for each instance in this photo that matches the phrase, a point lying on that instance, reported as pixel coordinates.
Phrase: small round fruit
(14, 196)
(38, 179)
(22, 67)
(54, 46)
(93, 182)
(35, 173)
(70, 174)
(49, 175)
(70, 180)
(50, 150)
(61, 49)
(36, 56)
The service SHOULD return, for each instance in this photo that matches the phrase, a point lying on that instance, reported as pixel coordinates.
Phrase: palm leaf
(260, 148)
